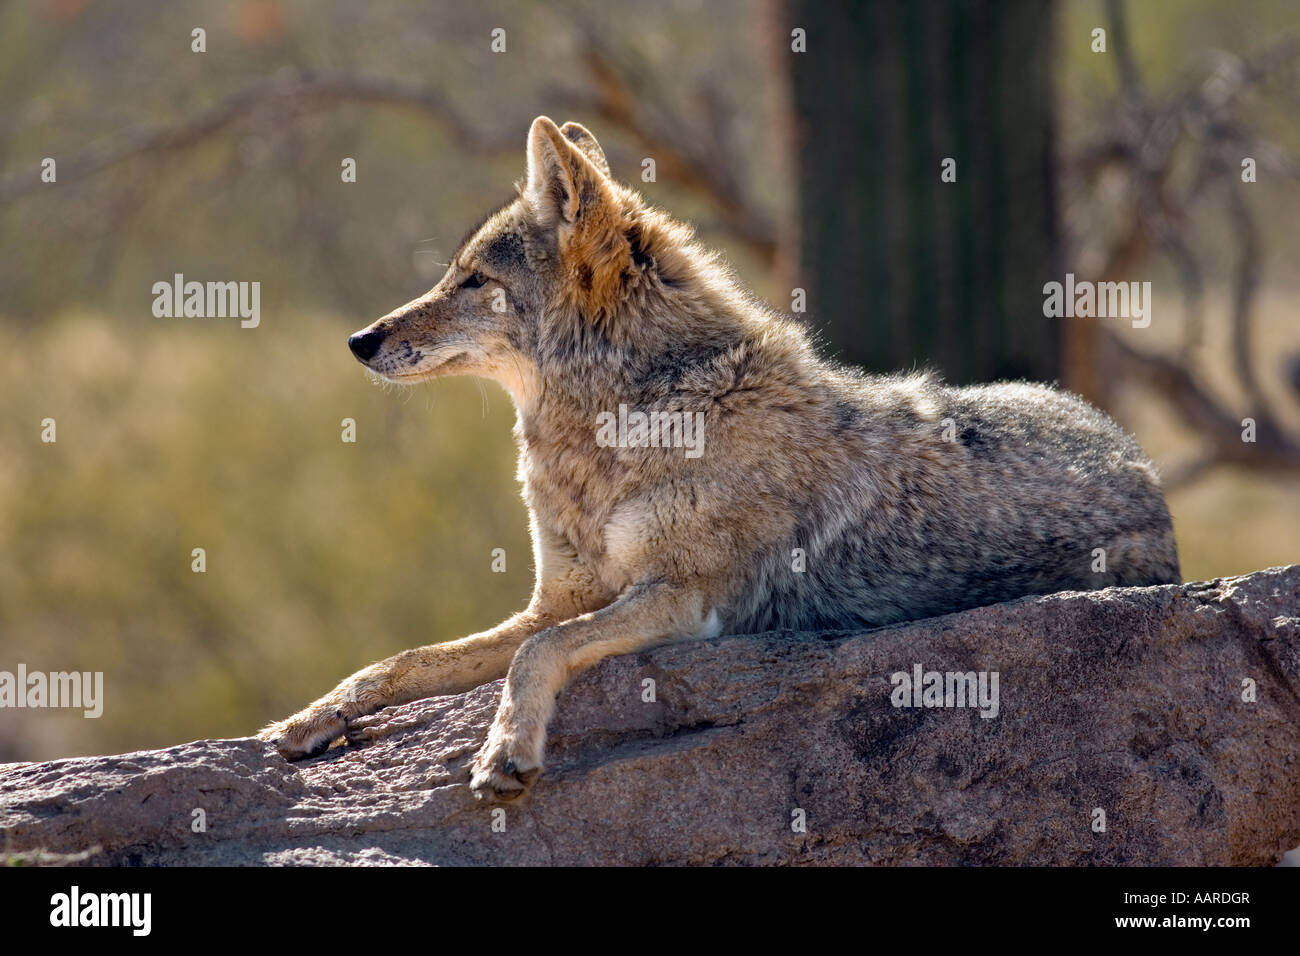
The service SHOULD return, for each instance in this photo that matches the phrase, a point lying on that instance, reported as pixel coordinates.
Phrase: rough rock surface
(1125, 700)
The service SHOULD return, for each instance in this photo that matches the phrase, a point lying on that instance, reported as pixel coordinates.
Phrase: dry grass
(321, 555)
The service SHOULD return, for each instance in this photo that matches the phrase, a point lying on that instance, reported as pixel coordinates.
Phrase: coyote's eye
(476, 280)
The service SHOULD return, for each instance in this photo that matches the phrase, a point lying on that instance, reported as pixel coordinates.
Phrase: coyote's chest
(573, 489)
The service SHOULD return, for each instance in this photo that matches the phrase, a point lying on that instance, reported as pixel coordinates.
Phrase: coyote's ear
(581, 137)
(563, 182)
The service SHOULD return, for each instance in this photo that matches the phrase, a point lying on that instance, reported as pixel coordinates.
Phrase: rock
(1127, 701)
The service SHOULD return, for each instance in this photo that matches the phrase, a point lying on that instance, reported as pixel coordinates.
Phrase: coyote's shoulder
(692, 466)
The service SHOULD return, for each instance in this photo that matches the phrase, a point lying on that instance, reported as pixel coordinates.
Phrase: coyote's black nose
(364, 345)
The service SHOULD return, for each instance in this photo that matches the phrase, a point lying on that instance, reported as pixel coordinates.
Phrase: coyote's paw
(505, 768)
(307, 733)
(310, 732)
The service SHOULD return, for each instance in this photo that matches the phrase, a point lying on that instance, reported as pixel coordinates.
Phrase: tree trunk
(902, 269)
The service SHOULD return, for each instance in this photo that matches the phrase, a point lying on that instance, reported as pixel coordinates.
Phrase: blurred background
(816, 169)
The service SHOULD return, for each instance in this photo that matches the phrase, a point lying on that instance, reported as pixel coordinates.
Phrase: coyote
(822, 498)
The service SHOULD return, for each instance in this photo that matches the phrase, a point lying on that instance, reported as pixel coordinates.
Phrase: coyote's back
(935, 499)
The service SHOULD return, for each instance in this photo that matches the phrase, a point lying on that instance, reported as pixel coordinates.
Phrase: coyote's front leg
(421, 672)
(565, 588)
(644, 615)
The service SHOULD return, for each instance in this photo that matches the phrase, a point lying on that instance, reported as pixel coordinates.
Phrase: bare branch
(703, 168)
(1218, 428)
(293, 94)
(1245, 282)
(1129, 79)
(1141, 143)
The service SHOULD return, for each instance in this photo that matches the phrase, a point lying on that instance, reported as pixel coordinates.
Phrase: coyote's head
(575, 273)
